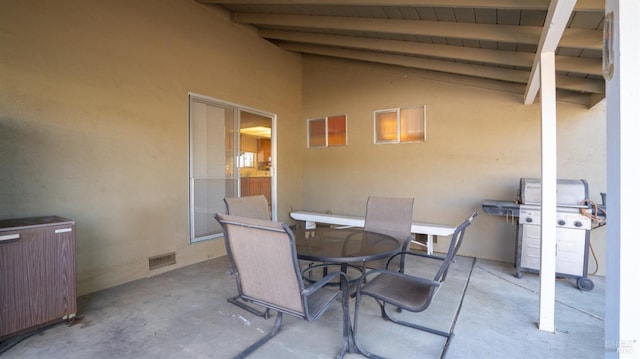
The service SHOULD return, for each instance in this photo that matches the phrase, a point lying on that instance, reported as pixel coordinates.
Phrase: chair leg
(385, 315)
(237, 300)
(355, 331)
(276, 328)
(347, 344)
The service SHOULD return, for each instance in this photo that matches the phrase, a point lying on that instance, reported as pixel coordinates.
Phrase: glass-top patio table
(345, 247)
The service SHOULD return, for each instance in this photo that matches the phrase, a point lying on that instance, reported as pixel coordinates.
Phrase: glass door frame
(236, 154)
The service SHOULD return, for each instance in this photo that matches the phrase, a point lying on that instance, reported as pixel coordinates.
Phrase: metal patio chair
(251, 207)
(387, 215)
(391, 216)
(264, 260)
(409, 292)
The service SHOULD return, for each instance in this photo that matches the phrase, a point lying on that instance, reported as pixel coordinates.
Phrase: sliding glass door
(216, 160)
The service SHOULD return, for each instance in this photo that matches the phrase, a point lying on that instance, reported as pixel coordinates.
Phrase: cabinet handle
(9, 237)
(63, 230)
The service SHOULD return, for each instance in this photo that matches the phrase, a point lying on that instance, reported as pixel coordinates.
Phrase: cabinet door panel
(253, 186)
(37, 278)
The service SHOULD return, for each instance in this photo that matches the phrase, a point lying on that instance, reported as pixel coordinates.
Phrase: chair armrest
(362, 280)
(407, 242)
(322, 282)
(423, 255)
(404, 244)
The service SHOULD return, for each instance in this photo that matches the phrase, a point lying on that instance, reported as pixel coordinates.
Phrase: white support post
(557, 19)
(548, 230)
(622, 312)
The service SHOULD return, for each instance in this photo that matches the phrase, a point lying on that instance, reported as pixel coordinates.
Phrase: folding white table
(430, 229)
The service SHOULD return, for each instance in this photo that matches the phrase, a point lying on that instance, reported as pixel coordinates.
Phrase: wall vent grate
(162, 260)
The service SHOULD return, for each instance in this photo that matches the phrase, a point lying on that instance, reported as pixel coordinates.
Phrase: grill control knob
(577, 224)
(561, 222)
(528, 219)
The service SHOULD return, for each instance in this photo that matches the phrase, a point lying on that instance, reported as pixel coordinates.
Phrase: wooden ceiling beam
(579, 65)
(494, 73)
(582, 5)
(576, 38)
(414, 62)
(511, 58)
(498, 57)
(554, 26)
(596, 99)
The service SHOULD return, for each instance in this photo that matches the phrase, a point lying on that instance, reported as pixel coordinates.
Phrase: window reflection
(327, 131)
(400, 125)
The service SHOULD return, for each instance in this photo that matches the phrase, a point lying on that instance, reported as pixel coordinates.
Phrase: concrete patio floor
(184, 314)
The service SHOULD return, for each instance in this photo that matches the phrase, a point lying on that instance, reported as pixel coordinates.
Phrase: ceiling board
(399, 33)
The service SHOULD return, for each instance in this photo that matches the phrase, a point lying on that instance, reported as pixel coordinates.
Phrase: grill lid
(569, 192)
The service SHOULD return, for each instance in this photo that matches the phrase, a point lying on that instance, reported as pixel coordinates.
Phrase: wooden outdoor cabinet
(37, 273)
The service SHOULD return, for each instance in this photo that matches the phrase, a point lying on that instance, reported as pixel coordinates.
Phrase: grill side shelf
(501, 208)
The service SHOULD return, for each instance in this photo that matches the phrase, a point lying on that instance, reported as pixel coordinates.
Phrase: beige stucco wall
(479, 144)
(94, 121)
(93, 127)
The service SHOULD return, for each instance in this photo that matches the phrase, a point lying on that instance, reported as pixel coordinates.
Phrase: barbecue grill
(574, 213)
